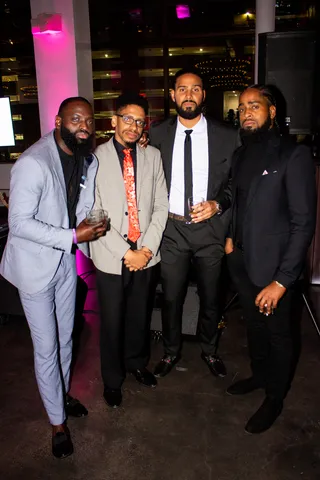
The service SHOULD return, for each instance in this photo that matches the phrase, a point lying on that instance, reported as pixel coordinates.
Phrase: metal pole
(265, 22)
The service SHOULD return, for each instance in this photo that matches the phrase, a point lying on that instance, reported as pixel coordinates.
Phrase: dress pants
(182, 245)
(50, 315)
(270, 338)
(124, 326)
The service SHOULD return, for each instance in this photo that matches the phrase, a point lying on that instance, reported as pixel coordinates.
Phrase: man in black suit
(196, 154)
(272, 224)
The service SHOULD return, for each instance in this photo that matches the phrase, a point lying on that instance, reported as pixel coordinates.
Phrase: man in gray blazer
(39, 259)
(130, 185)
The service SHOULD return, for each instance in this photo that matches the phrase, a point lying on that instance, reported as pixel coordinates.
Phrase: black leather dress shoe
(265, 416)
(62, 445)
(112, 397)
(165, 365)
(144, 377)
(215, 365)
(74, 408)
(247, 385)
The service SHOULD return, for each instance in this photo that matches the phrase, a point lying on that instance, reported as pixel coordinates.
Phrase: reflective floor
(185, 429)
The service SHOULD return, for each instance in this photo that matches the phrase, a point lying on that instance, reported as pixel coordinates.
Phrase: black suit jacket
(280, 214)
(223, 141)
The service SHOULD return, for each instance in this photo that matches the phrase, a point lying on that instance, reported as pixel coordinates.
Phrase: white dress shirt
(200, 164)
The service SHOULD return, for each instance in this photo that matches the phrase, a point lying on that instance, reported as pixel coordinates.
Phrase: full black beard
(81, 147)
(189, 114)
(248, 132)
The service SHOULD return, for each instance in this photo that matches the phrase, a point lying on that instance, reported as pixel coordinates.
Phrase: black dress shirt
(72, 167)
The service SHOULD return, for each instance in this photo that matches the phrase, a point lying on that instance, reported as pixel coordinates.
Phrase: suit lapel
(112, 171)
(57, 167)
(140, 168)
(213, 148)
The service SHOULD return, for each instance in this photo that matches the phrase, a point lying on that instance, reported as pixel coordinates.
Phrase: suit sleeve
(224, 196)
(153, 235)
(26, 187)
(301, 196)
(152, 138)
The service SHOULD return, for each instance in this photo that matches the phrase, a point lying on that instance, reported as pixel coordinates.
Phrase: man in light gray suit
(39, 259)
(130, 185)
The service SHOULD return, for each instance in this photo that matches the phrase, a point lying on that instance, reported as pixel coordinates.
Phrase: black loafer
(144, 377)
(74, 408)
(165, 365)
(112, 397)
(62, 445)
(215, 365)
(242, 387)
(265, 416)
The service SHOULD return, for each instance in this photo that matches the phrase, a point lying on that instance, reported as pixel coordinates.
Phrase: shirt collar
(199, 127)
(119, 147)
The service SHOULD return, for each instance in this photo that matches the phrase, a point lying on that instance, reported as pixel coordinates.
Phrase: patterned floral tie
(129, 183)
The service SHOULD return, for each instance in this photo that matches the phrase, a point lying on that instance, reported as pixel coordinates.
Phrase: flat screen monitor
(6, 127)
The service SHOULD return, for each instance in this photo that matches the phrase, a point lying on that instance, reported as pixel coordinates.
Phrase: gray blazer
(152, 201)
(39, 232)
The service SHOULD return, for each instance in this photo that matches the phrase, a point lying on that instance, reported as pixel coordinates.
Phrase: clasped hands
(203, 211)
(136, 260)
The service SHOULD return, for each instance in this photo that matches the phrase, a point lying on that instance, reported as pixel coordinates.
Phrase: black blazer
(222, 140)
(280, 215)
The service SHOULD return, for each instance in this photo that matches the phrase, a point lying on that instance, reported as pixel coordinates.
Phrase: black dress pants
(270, 338)
(124, 327)
(181, 245)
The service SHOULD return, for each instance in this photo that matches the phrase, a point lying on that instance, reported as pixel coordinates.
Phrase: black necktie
(187, 171)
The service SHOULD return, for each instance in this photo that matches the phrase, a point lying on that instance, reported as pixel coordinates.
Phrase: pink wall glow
(46, 23)
(63, 59)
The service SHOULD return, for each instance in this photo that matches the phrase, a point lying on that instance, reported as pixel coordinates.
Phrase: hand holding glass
(96, 216)
(193, 202)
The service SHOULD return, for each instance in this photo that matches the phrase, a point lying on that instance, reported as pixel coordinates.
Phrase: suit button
(125, 236)
(126, 213)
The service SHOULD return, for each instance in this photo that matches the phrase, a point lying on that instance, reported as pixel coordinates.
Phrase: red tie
(128, 177)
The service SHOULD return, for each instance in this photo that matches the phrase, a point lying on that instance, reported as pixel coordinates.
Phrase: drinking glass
(96, 216)
(193, 202)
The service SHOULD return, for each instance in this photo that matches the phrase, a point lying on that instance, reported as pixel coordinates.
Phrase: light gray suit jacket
(152, 201)
(39, 232)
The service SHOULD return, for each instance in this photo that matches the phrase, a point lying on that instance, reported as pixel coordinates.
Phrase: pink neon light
(46, 23)
(36, 31)
(183, 11)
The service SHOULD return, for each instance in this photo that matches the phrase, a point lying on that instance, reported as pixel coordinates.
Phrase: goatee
(81, 147)
(248, 132)
(189, 114)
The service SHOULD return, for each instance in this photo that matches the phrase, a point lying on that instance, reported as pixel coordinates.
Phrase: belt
(180, 218)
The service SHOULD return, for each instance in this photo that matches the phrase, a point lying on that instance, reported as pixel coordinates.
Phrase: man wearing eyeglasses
(130, 185)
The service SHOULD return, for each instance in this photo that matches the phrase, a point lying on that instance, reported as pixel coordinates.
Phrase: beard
(78, 146)
(189, 114)
(248, 132)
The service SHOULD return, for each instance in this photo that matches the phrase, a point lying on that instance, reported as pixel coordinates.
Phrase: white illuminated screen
(6, 127)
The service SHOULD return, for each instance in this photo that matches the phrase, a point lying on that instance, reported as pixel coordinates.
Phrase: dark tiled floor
(186, 429)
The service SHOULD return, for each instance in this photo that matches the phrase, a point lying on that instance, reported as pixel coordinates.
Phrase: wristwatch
(219, 208)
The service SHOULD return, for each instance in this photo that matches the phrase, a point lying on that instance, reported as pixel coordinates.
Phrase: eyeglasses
(130, 120)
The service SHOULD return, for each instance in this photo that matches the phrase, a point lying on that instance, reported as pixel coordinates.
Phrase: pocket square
(265, 173)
